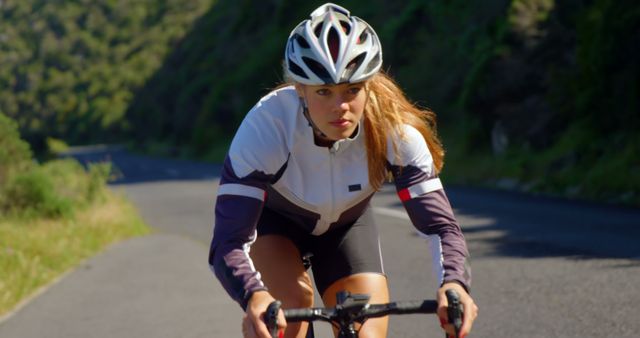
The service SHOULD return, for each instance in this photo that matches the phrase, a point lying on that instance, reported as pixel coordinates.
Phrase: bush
(54, 189)
(15, 154)
(32, 194)
(73, 182)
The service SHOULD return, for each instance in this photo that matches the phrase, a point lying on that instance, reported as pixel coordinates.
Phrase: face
(335, 109)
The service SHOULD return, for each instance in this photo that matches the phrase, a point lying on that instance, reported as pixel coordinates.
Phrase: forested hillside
(535, 95)
(69, 69)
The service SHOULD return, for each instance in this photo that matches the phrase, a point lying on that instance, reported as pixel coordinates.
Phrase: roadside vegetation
(52, 216)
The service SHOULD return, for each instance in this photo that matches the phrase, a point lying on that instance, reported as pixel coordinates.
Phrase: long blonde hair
(386, 110)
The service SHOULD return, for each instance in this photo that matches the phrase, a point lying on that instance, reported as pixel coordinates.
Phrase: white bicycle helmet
(332, 47)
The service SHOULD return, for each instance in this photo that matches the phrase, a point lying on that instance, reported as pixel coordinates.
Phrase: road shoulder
(153, 286)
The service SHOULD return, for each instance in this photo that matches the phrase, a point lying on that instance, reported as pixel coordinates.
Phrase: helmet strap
(305, 112)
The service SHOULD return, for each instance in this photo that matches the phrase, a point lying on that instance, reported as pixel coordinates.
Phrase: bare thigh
(376, 286)
(278, 261)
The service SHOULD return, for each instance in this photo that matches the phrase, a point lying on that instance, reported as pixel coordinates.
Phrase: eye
(323, 92)
(354, 90)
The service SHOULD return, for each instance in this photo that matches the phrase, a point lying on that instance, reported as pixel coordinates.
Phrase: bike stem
(349, 304)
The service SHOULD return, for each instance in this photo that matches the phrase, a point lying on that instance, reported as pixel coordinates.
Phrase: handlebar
(354, 308)
(370, 311)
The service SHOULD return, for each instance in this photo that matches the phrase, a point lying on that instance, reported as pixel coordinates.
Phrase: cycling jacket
(274, 162)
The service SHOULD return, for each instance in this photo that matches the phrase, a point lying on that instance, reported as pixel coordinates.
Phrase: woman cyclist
(302, 169)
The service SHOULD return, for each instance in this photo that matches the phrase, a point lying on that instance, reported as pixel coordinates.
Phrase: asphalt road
(542, 267)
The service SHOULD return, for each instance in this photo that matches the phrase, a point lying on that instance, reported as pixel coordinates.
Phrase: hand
(253, 324)
(469, 306)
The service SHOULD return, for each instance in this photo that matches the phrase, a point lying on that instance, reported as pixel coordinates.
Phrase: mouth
(340, 123)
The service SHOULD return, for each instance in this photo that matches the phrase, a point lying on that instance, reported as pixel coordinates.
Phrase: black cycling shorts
(341, 252)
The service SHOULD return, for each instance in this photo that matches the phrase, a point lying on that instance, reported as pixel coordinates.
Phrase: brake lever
(271, 317)
(454, 310)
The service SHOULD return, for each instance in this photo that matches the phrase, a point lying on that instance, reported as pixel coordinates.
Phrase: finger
(282, 321)
(442, 311)
(260, 329)
(469, 317)
(245, 332)
(443, 315)
(443, 322)
(247, 327)
(445, 325)
(449, 330)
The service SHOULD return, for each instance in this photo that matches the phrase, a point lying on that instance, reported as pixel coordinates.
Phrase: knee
(370, 334)
(301, 295)
(374, 328)
(305, 291)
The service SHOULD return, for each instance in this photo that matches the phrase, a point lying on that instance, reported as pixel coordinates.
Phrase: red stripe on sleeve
(404, 195)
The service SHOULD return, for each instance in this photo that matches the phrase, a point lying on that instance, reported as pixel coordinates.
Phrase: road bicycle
(355, 308)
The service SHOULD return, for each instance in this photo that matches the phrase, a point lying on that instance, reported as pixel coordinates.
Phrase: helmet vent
(346, 27)
(317, 30)
(295, 69)
(375, 62)
(318, 69)
(363, 37)
(302, 41)
(334, 43)
(352, 66)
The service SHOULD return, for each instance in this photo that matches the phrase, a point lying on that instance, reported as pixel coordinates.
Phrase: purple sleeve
(238, 208)
(430, 212)
(432, 215)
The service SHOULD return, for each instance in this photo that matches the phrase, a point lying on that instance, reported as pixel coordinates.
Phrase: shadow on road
(133, 168)
(500, 223)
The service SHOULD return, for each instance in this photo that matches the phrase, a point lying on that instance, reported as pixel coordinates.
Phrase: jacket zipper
(332, 153)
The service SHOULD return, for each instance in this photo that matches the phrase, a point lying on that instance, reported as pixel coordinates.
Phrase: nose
(342, 105)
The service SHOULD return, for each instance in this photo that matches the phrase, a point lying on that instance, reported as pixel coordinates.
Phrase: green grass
(34, 252)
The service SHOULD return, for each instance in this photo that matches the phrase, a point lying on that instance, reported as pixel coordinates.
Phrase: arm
(238, 208)
(422, 195)
(431, 214)
(256, 155)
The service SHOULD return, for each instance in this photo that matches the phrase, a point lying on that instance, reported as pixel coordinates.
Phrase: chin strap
(305, 112)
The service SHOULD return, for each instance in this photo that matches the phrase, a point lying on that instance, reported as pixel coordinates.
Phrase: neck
(321, 140)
